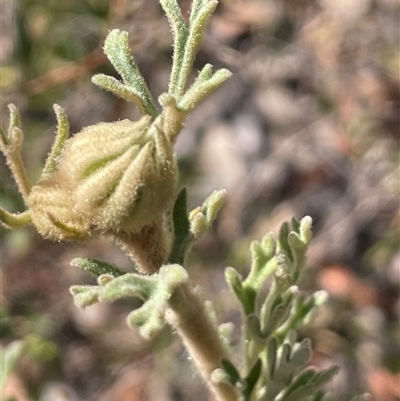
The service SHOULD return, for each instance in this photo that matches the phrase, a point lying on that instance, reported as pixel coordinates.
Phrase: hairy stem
(187, 314)
(19, 172)
(14, 220)
(148, 248)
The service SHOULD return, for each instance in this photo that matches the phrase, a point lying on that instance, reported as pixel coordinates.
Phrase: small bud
(111, 177)
(202, 217)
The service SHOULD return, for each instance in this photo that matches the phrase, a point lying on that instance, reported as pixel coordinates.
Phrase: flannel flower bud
(111, 178)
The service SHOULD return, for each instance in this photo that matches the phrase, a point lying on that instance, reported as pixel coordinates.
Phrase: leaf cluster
(275, 361)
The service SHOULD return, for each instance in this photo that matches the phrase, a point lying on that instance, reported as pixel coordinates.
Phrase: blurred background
(307, 125)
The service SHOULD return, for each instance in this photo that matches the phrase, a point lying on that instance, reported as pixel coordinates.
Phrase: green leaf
(320, 396)
(202, 217)
(291, 250)
(96, 267)
(262, 254)
(300, 394)
(263, 265)
(187, 38)
(116, 48)
(302, 312)
(282, 371)
(200, 13)
(307, 383)
(283, 244)
(289, 363)
(235, 280)
(231, 371)
(304, 378)
(85, 295)
(154, 290)
(119, 89)
(295, 225)
(251, 379)
(150, 317)
(15, 122)
(245, 296)
(130, 285)
(182, 235)
(203, 87)
(15, 119)
(254, 328)
(59, 142)
(213, 204)
(205, 73)
(272, 356)
(301, 353)
(325, 376)
(180, 32)
(276, 309)
(305, 229)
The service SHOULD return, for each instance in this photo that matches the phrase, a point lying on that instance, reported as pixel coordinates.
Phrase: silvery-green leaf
(272, 356)
(251, 379)
(325, 376)
(85, 295)
(301, 353)
(96, 267)
(300, 394)
(231, 371)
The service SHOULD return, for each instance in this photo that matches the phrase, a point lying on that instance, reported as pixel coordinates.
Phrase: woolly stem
(187, 314)
(148, 248)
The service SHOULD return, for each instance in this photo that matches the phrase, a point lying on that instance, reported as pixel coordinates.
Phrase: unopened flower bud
(112, 177)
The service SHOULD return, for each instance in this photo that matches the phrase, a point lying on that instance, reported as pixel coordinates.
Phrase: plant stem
(148, 248)
(191, 320)
(172, 118)
(14, 161)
